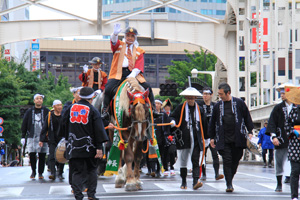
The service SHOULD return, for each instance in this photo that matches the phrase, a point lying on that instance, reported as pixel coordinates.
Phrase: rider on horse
(128, 61)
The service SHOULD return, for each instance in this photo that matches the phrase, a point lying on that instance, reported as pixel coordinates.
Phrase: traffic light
(168, 89)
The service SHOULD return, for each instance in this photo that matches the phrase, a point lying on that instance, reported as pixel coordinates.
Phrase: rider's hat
(280, 88)
(292, 93)
(96, 60)
(131, 30)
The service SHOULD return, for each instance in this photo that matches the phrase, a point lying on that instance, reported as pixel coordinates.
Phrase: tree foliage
(18, 86)
(180, 70)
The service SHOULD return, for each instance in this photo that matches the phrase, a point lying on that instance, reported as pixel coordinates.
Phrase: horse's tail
(97, 101)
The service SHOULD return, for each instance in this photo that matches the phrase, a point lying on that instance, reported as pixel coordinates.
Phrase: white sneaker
(172, 173)
(166, 173)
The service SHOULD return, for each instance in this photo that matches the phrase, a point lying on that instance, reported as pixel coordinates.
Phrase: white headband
(55, 102)
(158, 101)
(87, 97)
(38, 95)
(206, 91)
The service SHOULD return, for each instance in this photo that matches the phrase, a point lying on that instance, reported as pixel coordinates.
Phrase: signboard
(1, 129)
(7, 58)
(1, 120)
(262, 30)
(7, 51)
(35, 54)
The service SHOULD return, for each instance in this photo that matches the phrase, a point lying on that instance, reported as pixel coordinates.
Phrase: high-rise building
(211, 8)
(16, 50)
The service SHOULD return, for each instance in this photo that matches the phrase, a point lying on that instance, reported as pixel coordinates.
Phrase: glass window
(172, 10)
(54, 57)
(203, 11)
(107, 13)
(209, 12)
(135, 9)
(220, 12)
(68, 57)
(203, 0)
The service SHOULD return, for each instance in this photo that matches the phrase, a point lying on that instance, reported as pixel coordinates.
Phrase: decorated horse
(134, 124)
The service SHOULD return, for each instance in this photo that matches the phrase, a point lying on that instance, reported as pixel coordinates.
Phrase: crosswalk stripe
(63, 189)
(272, 186)
(171, 187)
(10, 191)
(222, 187)
(110, 188)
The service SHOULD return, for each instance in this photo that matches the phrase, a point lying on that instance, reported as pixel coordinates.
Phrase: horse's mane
(132, 85)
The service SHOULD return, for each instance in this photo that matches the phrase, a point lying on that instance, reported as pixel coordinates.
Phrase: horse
(136, 115)
(135, 105)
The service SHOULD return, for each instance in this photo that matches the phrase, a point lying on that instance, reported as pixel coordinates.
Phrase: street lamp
(195, 72)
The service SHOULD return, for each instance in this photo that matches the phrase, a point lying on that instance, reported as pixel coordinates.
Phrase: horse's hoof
(139, 185)
(119, 183)
(131, 187)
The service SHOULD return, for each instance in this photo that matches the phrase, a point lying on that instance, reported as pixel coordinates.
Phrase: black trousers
(195, 160)
(78, 174)
(113, 84)
(264, 152)
(52, 162)
(169, 156)
(231, 156)
(215, 157)
(33, 161)
(295, 172)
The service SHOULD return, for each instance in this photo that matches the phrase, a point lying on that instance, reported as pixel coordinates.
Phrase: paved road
(251, 182)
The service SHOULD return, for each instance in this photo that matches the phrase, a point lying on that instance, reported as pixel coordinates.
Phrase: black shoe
(33, 174)
(93, 198)
(265, 165)
(183, 185)
(278, 188)
(41, 176)
(52, 177)
(219, 176)
(229, 188)
(60, 177)
(270, 165)
(197, 185)
(287, 179)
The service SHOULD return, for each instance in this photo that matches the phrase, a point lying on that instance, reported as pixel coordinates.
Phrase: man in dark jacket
(85, 133)
(31, 127)
(207, 104)
(227, 129)
(189, 137)
(277, 129)
(50, 134)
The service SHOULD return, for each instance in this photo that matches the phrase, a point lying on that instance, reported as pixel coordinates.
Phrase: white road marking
(272, 186)
(60, 189)
(262, 177)
(10, 191)
(222, 187)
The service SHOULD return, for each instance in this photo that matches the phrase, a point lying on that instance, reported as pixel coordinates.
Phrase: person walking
(85, 134)
(266, 144)
(49, 134)
(277, 129)
(229, 127)
(169, 140)
(207, 104)
(33, 121)
(189, 139)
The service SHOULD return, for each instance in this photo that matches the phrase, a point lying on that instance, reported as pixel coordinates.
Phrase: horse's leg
(138, 155)
(130, 179)
(121, 177)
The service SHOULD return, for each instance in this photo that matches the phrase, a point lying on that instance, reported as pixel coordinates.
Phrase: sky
(83, 8)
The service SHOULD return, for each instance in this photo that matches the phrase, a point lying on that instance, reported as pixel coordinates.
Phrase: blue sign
(1, 129)
(1, 139)
(35, 46)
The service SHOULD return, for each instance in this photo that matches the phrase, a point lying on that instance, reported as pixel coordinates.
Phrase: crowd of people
(193, 128)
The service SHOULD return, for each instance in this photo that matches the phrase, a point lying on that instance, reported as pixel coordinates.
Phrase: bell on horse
(136, 116)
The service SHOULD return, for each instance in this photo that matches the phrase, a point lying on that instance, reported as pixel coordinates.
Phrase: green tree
(180, 70)
(18, 86)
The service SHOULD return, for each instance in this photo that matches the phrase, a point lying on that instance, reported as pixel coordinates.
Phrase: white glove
(117, 29)
(85, 68)
(134, 73)
(97, 92)
(23, 141)
(173, 123)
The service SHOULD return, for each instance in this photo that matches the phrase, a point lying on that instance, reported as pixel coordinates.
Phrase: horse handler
(189, 136)
(85, 133)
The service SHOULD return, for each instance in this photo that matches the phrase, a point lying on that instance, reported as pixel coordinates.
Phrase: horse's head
(139, 113)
